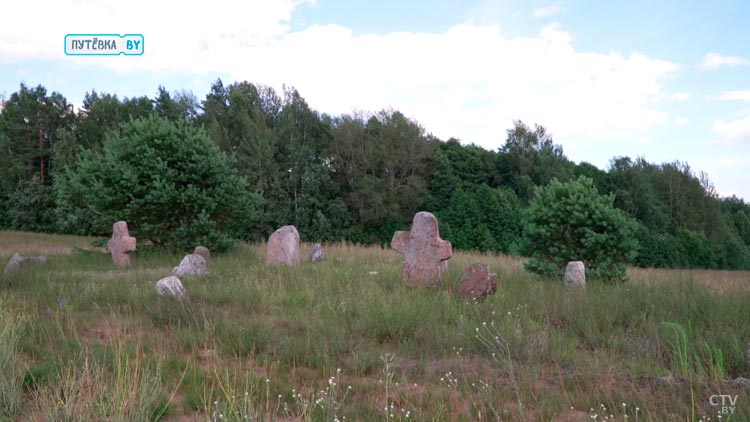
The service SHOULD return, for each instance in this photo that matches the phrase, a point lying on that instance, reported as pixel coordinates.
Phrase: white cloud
(735, 96)
(714, 60)
(542, 12)
(734, 131)
(681, 96)
(733, 161)
(469, 81)
(680, 121)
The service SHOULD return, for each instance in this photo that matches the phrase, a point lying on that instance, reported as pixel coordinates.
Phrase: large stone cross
(426, 253)
(121, 244)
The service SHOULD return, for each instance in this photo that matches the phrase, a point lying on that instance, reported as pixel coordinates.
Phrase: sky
(665, 80)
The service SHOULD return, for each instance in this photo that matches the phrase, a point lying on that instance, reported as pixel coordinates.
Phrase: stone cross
(426, 253)
(121, 244)
(283, 247)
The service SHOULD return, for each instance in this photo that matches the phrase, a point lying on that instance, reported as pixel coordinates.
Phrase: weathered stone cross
(121, 244)
(426, 253)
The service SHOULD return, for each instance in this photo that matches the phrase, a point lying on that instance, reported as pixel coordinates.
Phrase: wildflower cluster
(325, 404)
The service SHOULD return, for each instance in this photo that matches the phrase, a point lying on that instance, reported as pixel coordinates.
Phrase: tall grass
(83, 340)
(11, 366)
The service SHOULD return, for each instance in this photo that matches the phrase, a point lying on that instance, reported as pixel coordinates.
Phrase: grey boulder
(192, 265)
(19, 262)
(171, 287)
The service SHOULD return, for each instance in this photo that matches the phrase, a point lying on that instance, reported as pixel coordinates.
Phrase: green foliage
(660, 250)
(684, 225)
(167, 180)
(529, 159)
(29, 124)
(483, 219)
(32, 206)
(696, 249)
(102, 115)
(572, 222)
(383, 164)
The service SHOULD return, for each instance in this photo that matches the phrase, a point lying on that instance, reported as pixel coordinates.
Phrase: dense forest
(357, 177)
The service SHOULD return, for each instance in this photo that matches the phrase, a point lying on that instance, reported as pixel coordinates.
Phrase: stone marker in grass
(426, 253)
(121, 244)
(477, 283)
(283, 247)
(575, 274)
(172, 287)
(192, 265)
(19, 262)
(202, 251)
(317, 253)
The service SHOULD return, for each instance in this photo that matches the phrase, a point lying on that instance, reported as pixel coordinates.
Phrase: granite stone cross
(121, 244)
(426, 253)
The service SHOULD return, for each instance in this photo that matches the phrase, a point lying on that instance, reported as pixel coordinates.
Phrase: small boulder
(575, 274)
(283, 247)
(317, 253)
(19, 262)
(477, 282)
(192, 265)
(171, 286)
(742, 382)
(121, 244)
(202, 251)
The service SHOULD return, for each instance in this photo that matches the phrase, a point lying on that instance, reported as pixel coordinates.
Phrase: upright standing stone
(283, 247)
(121, 244)
(202, 251)
(19, 262)
(192, 265)
(478, 282)
(575, 274)
(426, 253)
(317, 253)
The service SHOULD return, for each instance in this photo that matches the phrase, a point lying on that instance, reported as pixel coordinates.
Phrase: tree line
(356, 177)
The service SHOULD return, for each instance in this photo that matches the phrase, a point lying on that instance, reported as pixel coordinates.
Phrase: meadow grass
(346, 339)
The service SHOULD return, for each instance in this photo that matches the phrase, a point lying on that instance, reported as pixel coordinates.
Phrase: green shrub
(167, 180)
(658, 250)
(572, 222)
(696, 249)
(31, 206)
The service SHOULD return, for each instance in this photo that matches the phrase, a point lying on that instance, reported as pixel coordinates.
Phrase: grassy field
(346, 340)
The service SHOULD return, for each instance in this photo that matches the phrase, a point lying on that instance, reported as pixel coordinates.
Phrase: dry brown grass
(41, 243)
(721, 281)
